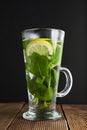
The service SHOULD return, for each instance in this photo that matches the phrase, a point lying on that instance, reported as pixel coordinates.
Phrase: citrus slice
(40, 46)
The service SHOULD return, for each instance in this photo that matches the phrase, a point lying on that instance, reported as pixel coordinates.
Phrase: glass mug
(42, 50)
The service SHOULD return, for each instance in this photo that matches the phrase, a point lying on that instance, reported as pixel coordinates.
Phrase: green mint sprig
(43, 86)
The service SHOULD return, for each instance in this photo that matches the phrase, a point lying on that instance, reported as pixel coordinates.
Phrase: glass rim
(50, 29)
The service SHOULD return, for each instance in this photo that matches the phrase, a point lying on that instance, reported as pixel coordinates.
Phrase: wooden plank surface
(20, 124)
(76, 116)
(8, 112)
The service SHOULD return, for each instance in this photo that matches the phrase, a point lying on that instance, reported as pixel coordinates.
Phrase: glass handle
(69, 81)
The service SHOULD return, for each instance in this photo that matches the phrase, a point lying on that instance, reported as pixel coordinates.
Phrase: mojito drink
(41, 63)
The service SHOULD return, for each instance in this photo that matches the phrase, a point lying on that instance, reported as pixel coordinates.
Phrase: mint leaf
(37, 64)
(40, 80)
(57, 55)
(39, 90)
(54, 77)
(48, 93)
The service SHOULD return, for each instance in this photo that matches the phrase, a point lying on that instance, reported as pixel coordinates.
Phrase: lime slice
(40, 46)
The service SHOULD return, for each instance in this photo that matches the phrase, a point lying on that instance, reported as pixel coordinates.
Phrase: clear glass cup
(42, 50)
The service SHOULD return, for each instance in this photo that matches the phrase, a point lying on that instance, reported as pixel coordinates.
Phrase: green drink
(41, 63)
(42, 49)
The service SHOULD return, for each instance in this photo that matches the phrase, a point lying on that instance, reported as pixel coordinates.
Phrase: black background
(16, 16)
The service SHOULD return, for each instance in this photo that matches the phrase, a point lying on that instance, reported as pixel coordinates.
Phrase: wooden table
(74, 117)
